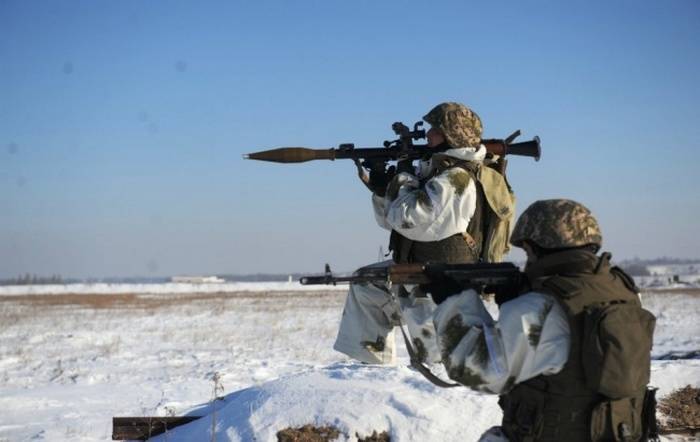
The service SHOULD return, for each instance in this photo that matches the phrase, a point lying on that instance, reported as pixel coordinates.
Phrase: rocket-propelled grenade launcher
(396, 150)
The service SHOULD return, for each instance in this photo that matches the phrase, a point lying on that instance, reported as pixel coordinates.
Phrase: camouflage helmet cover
(556, 224)
(460, 125)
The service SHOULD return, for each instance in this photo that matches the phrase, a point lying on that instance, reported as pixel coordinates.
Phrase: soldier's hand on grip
(379, 176)
(405, 166)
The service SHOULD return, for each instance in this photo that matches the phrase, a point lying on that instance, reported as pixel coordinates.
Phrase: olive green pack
(500, 211)
(615, 346)
(601, 392)
(617, 332)
(489, 228)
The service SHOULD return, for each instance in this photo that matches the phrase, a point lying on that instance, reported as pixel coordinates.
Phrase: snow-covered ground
(668, 281)
(70, 361)
(688, 269)
(670, 275)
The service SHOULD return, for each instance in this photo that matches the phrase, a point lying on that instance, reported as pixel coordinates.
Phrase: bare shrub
(374, 437)
(681, 409)
(308, 433)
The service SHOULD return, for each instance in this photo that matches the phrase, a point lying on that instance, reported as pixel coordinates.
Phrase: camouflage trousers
(370, 316)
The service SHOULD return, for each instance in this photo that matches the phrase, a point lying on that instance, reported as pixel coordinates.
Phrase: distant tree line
(28, 279)
(663, 260)
(635, 269)
(640, 267)
(262, 277)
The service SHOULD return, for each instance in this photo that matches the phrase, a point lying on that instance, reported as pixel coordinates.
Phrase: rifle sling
(418, 365)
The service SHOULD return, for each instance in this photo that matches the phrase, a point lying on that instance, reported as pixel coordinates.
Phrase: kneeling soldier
(570, 358)
(452, 209)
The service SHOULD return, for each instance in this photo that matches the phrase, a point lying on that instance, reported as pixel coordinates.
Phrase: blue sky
(122, 124)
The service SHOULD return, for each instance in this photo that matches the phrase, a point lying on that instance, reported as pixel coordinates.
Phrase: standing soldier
(452, 209)
(570, 359)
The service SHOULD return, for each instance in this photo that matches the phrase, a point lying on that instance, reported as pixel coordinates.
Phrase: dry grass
(154, 354)
(153, 302)
(681, 410)
(308, 433)
(311, 433)
(690, 291)
(220, 300)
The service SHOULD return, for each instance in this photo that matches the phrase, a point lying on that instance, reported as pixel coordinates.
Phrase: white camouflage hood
(465, 153)
(460, 153)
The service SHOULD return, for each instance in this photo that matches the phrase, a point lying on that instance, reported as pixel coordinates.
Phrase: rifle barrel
(333, 280)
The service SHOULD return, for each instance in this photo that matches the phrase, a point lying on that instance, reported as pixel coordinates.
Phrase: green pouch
(523, 413)
(501, 203)
(617, 420)
(616, 348)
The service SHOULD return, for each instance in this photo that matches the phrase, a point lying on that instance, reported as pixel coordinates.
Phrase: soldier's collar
(476, 154)
(566, 262)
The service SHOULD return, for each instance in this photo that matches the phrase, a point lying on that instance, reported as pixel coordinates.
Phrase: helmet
(556, 224)
(461, 125)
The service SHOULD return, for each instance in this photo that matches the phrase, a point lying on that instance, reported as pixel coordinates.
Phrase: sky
(123, 124)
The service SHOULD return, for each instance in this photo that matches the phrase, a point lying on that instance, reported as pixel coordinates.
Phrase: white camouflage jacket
(530, 338)
(435, 211)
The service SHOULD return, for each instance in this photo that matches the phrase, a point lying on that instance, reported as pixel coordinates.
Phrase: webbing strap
(418, 365)
(480, 220)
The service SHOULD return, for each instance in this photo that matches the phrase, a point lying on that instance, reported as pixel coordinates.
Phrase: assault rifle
(441, 280)
(504, 278)
(395, 150)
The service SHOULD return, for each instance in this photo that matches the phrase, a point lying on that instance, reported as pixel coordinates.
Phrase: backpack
(489, 228)
(497, 213)
(616, 341)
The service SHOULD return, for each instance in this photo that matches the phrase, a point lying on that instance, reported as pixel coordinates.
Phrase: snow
(690, 269)
(677, 330)
(668, 281)
(356, 399)
(671, 276)
(68, 364)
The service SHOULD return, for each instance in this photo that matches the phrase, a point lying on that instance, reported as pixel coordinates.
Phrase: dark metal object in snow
(142, 428)
(678, 355)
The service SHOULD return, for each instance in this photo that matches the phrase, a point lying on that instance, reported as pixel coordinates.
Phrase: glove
(442, 288)
(405, 166)
(508, 293)
(379, 176)
(361, 172)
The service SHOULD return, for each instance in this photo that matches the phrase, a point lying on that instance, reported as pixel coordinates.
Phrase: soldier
(451, 209)
(570, 358)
